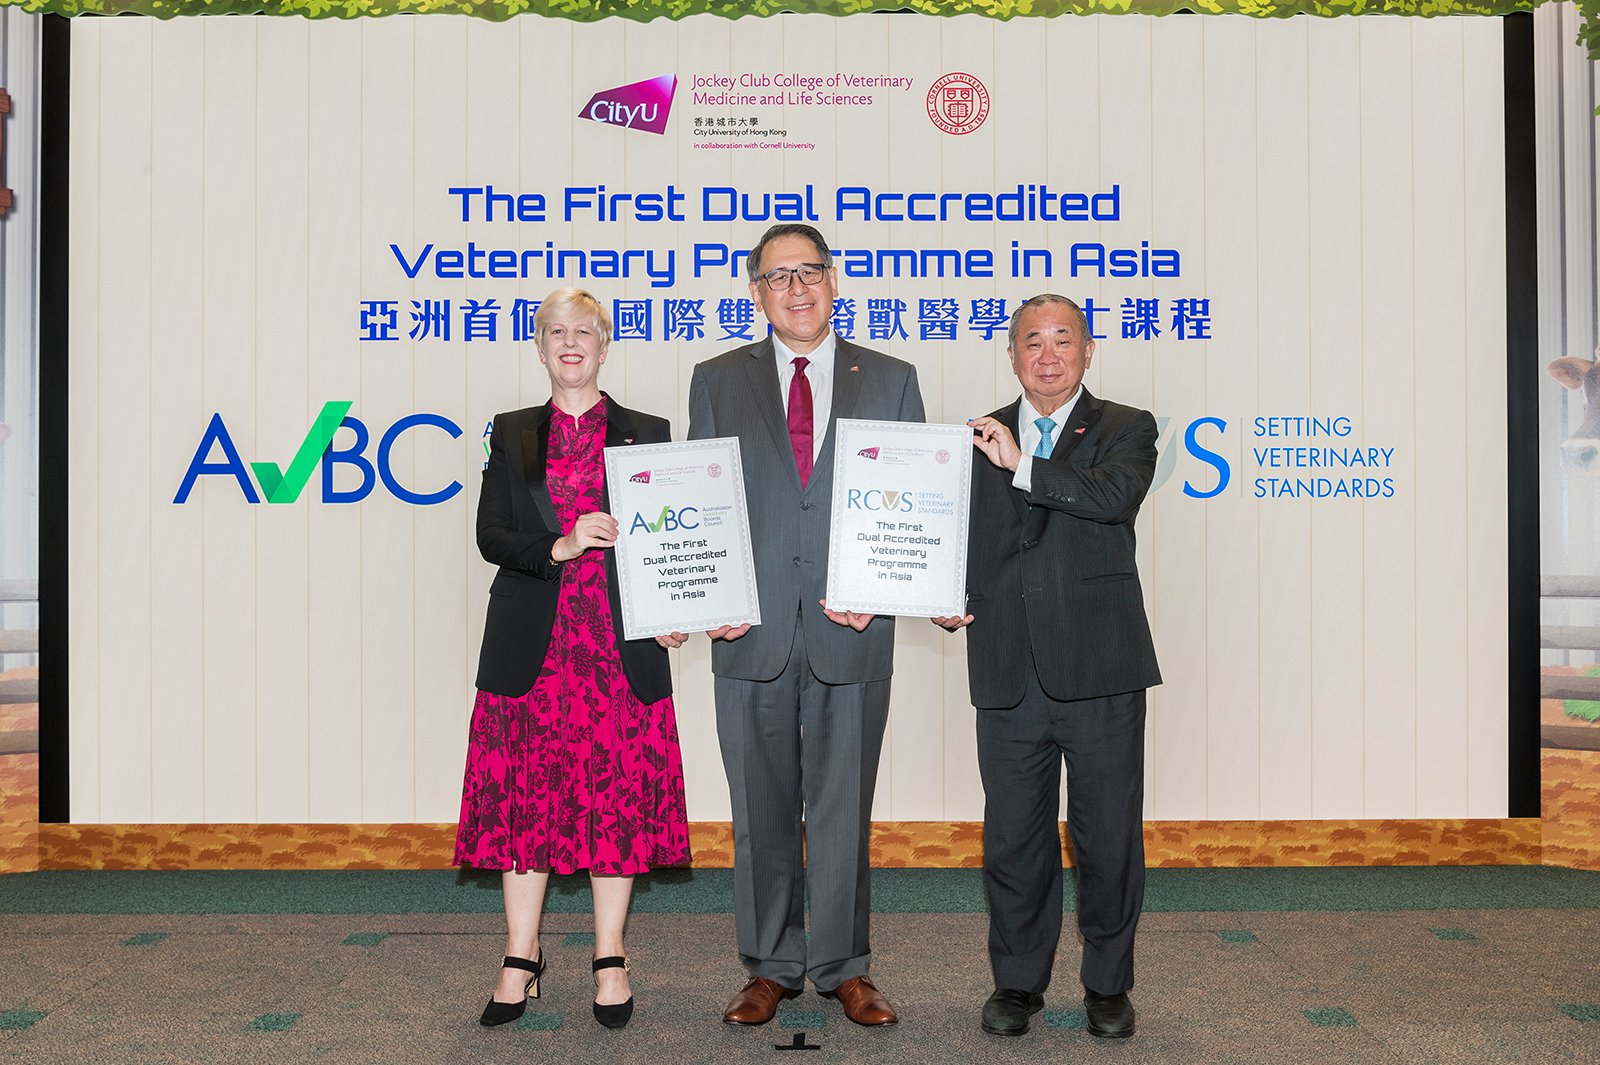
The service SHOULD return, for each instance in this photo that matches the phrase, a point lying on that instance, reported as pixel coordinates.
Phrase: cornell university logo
(958, 103)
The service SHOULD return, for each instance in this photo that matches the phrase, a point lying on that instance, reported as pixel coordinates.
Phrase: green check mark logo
(278, 486)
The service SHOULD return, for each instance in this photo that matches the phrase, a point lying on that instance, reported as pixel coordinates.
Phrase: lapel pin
(1080, 431)
(855, 369)
(629, 440)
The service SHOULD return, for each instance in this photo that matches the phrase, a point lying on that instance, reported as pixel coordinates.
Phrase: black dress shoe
(501, 1012)
(612, 1016)
(1008, 1010)
(1110, 1016)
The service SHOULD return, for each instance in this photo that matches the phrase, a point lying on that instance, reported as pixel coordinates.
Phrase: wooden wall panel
(238, 183)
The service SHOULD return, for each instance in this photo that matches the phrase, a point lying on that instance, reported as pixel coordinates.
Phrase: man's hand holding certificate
(683, 537)
(898, 542)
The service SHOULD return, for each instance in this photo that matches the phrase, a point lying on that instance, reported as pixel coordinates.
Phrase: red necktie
(800, 419)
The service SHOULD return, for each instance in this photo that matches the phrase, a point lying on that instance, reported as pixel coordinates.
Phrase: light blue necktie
(1046, 427)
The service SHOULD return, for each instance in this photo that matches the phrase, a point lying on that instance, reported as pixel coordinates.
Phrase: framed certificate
(683, 538)
(898, 542)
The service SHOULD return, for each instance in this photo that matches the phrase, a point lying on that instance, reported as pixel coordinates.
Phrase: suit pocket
(1110, 578)
(505, 583)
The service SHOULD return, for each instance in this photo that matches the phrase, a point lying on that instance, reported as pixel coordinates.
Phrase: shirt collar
(597, 413)
(821, 359)
(1026, 415)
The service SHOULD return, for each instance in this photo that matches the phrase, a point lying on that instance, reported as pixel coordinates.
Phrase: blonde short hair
(571, 304)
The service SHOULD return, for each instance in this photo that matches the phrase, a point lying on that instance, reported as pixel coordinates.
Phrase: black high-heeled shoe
(612, 1016)
(500, 1012)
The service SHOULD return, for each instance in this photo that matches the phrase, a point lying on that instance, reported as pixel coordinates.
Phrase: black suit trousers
(1020, 751)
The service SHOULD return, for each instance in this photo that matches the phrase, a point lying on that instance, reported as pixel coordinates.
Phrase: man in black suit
(1058, 657)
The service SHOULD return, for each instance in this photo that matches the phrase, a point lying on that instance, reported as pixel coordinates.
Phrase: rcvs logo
(642, 105)
(958, 103)
(868, 453)
(941, 456)
(714, 470)
(874, 499)
(640, 478)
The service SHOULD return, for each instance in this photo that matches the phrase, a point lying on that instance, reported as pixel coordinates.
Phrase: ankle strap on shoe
(523, 963)
(611, 963)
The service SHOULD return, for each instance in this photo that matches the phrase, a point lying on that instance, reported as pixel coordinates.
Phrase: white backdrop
(1334, 188)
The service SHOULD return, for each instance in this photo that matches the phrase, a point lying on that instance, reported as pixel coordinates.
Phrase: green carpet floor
(1413, 966)
(711, 890)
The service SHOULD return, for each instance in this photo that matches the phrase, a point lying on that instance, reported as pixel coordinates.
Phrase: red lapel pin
(1080, 431)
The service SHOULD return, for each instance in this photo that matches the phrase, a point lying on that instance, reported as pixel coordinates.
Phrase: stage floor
(1488, 964)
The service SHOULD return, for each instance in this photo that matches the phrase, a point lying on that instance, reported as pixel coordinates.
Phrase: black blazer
(517, 526)
(1056, 580)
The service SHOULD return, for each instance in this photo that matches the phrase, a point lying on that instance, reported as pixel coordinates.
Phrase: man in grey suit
(802, 699)
(1059, 656)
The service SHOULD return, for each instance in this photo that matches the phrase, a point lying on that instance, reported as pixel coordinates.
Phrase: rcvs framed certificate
(683, 537)
(898, 540)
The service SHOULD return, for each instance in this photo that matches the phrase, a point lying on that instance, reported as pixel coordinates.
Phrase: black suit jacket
(517, 526)
(1051, 572)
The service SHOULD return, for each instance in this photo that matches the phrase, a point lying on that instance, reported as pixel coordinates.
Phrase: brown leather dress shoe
(757, 1001)
(862, 1002)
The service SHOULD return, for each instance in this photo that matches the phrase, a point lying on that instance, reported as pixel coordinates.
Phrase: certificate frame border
(686, 447)
(844, 427)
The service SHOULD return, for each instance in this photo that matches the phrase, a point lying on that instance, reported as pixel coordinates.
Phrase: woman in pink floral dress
(572, 760)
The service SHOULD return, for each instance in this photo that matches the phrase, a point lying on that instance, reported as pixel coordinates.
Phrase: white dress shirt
(1029, 434)
(819, 373)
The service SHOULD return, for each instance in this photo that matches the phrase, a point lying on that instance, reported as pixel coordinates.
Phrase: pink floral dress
(577, 773)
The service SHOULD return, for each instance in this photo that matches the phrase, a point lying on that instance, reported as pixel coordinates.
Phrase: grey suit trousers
(796, 748)
(1020, 751)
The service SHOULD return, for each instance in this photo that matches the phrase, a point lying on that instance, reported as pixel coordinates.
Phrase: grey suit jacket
(1051, 572)
(736, 394)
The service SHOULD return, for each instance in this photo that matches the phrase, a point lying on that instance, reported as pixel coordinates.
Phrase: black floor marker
(798, 1044)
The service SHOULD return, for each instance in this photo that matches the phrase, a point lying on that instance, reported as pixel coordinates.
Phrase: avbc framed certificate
(683, 538)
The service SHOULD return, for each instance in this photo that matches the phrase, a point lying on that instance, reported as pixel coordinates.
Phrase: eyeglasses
(779, 279)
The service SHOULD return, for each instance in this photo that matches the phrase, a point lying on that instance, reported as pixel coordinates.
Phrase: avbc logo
(669, 520)
(284, 486)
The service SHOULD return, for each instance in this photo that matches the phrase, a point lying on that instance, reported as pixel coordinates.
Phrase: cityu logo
(669, 520)
(640, 478)
(642, 105)
(317, 449)
(873, 499)
(868, 453)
